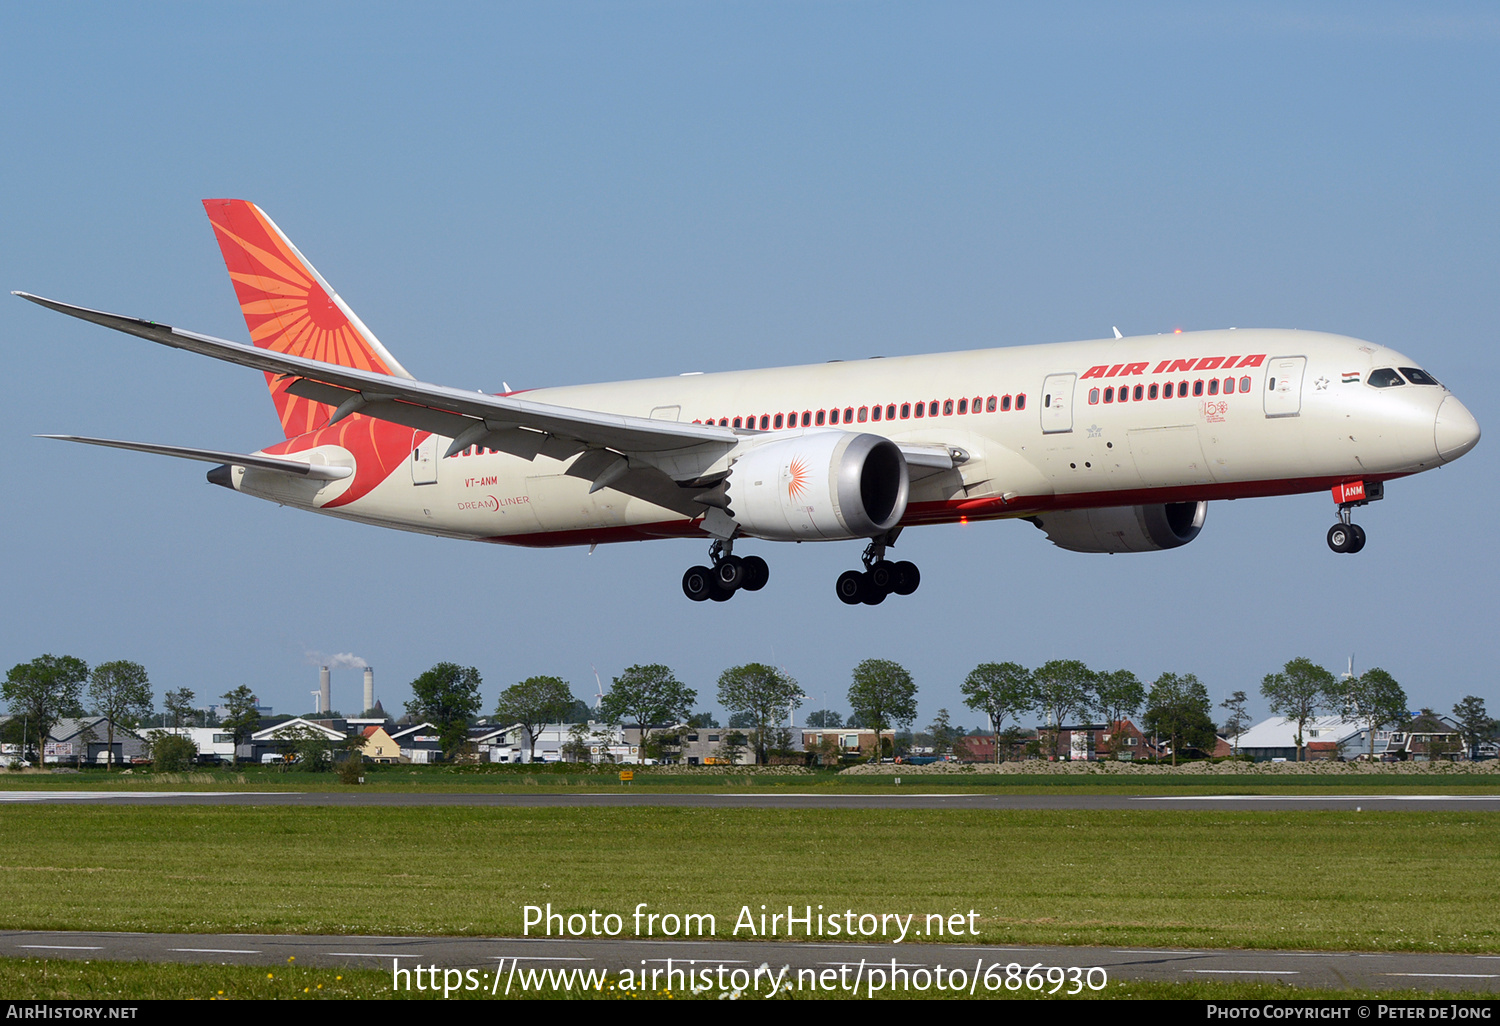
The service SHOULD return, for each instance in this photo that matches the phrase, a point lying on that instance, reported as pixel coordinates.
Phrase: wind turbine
(599, 687)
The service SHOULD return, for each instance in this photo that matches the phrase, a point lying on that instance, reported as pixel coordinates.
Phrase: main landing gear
(728, 574)
(1346, 535)
(879, 578)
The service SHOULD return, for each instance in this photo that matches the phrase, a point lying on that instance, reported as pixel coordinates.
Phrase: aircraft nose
(1456, 431)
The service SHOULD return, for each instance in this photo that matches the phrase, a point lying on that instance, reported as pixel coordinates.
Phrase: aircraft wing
(522, 427)
(647, 458)
(238, 459)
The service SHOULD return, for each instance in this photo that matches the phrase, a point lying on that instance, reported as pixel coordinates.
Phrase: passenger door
(1284, 386)
(424, 461)
(1057, 403)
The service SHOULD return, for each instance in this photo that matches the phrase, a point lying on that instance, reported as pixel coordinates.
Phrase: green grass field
(53, 980)
(1330, 880)
(512, 779)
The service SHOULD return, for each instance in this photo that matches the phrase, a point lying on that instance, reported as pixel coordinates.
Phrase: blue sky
(544, 194)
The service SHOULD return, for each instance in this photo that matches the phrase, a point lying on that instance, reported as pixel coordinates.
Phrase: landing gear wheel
(1340, 537)
(719, 593)
(1356, 542)
(730, 573)
(882, 576)
(756, 573)
(906, 578)
(850, 587)
(698, 583)
(871, 593)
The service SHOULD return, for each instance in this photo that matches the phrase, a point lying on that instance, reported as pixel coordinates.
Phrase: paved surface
(1330, 969)
(913, 799)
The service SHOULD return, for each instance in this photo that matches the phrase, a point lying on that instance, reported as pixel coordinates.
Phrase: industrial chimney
(369, 688)
(324, 702)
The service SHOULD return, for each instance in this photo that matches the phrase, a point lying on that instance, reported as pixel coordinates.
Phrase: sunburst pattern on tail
(289, 308)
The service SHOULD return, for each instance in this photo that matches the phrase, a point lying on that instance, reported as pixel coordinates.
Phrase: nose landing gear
(1346, 535)
(880, 577)
(727, 574)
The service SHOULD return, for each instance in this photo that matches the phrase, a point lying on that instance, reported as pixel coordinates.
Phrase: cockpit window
(1385, 377)
(1419, 377)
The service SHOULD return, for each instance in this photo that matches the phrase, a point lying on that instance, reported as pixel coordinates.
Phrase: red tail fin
(289, 308)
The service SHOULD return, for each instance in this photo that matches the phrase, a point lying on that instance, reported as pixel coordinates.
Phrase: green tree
(306, 748)
(179, 705)
(1373, 700)
(825, 719)
(826, 751)
(447, 696)
(578, 712)
(534, 702)
(1298, 693)
(882, 695)
(942, 732)
(764, 694)
(703, 720)
(43, 691)
(243, 717)
(1064, 687)
(1178, 707)
(732, 744)
(1118, 695)
(1238, 721)
(1001, 691)
(171, 753)
(576, 748)
(121, 691)
(1474, 723)
(650, 695)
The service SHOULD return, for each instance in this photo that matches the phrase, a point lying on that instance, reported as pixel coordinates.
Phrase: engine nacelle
(819, 486)
(1124, 528)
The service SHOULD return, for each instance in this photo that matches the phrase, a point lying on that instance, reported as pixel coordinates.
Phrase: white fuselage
(1297, 415)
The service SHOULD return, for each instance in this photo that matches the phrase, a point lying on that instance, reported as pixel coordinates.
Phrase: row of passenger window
(864, 414)
(1126, 393)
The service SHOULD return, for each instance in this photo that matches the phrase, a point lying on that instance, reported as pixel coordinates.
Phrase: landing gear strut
(880, 577)
(726, 575)
(1346, 535)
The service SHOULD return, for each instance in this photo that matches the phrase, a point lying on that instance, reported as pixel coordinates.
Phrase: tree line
(1177, 706)
(758, 697)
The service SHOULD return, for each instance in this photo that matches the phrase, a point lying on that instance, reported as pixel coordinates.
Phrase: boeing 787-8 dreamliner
(1116, 445)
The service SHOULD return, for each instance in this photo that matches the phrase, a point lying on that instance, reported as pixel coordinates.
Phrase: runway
(815, 961)
(914, 799)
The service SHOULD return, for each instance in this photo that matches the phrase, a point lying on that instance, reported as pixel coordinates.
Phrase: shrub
(352, 769)
(171, 753)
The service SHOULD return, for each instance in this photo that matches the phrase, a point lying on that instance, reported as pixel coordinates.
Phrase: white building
(606, 743)
(215, 744)
(1322, 738)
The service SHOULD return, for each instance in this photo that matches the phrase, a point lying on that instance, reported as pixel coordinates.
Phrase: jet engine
(1124, 528)
(819, 486)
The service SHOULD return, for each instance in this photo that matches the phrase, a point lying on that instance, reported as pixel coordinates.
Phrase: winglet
(290, 308)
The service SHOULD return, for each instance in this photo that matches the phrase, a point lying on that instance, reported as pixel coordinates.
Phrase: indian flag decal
(1350, 376)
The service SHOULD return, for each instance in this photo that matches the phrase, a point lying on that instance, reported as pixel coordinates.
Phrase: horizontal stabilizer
(236, 459)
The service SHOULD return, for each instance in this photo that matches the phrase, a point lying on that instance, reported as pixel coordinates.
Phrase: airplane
(1109, 446)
